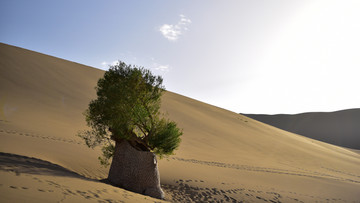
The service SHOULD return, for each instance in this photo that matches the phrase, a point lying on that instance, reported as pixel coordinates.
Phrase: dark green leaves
(127, 107)
(166, 138)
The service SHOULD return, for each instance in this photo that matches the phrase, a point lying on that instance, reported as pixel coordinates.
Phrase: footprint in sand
(94, 194)
(60, 139)
(84, 194)
(38, 180)
(70, 192)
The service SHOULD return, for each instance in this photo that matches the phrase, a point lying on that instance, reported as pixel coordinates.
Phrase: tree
(125, 120)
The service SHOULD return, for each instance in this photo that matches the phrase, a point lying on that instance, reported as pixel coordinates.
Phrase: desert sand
(340, 127)
(223, 156)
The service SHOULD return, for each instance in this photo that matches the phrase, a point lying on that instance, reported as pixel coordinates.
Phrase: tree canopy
(127, 108)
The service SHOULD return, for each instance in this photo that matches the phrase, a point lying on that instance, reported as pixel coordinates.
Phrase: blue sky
(245, 56)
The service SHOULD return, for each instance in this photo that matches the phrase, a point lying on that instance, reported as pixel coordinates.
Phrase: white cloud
(162, 67)
(183, 20)
(172, 32)
(154, 65)
(115, 63)
(159, 67)
(105, 64)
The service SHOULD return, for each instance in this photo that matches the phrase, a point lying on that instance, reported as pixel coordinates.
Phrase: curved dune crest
(339, 128)
(223, 155)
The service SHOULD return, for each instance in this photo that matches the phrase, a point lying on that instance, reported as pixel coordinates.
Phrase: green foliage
(108, 152)
(166, 139)
(127, 108)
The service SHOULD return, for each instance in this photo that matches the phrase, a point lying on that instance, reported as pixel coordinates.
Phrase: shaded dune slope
(223, 155)
(340, 128)
(26, 179)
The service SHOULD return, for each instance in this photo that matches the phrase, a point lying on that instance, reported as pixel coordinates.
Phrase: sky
(260, 56)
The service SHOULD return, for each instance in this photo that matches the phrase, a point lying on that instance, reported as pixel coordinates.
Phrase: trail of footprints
(72, 141)
(67, 192)
(331, 176)
(337, 171)
(302, 172)
(182, 191)
(189, 193)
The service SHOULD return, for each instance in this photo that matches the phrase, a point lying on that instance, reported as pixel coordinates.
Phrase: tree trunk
(135, 170)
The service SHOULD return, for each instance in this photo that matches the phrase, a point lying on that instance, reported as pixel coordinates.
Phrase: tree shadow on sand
(27, 165)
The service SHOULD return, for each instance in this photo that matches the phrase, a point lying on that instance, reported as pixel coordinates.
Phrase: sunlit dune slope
(223, 155)
(340, 128)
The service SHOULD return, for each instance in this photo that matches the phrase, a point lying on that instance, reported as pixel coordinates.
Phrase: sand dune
(339, 128)
(223, 156)
(26, 179)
